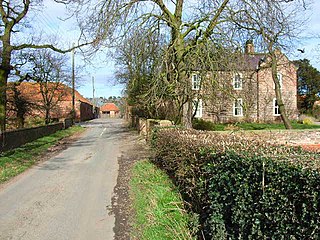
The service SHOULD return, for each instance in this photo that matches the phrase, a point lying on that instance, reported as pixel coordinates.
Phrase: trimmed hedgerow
(241, 186)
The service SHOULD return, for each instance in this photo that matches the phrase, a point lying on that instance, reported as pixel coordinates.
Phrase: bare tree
(188, 24)
(13, 21)
(18, 104)
(51, 72)
(169, 17)
(185, 24)
(273, 24)
(140, 66)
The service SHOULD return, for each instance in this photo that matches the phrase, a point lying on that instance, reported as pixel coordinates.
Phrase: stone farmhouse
(245, 93)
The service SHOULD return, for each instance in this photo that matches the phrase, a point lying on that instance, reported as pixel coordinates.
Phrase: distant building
(109, 110)
(61, 101)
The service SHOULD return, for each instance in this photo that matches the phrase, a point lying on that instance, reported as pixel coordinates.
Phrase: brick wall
(17, 138)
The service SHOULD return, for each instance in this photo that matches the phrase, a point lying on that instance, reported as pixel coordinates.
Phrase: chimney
(249, 48)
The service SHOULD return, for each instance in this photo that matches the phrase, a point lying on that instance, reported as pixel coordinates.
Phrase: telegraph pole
(93, 100)
(73, 87)
(93, 90)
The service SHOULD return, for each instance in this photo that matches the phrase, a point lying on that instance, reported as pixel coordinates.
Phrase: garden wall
(16, 138)
(145, 126)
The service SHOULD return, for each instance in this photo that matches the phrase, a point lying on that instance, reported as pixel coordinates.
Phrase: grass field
(157, 205)
(18, 160)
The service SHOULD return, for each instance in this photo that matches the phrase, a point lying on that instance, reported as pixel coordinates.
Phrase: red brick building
(109, 110)
(61, 99)
(246, 93)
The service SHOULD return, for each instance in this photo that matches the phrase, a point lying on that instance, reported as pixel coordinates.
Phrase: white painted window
(196, 80)
(237, 81)
(238, 107)
(276, 110)
(197, 108)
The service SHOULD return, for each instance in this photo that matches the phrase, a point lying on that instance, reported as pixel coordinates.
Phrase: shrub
(201, 124)
(241, 186)
(307, 121)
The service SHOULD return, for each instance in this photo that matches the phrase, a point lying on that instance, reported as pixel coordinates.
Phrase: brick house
(109, 110)
(62, 99)
(245, 93)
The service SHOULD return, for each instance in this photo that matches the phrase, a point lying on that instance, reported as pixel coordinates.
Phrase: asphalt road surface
(68, 196)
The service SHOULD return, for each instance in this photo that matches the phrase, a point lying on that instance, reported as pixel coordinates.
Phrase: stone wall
(16, 138)
(145, 126)
(296, 137)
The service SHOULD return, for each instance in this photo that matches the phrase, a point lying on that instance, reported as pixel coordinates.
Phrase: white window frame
(237, 82)
(275, 109)
(197, 109)
(236, 106)
(196, 81)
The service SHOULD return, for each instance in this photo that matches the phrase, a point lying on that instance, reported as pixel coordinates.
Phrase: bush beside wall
(241, 186)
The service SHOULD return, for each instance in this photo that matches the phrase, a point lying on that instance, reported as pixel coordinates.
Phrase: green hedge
(242, 187)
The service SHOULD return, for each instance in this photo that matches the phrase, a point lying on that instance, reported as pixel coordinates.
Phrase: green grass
(266, 126)
(157, 205)
(207, 125)
(16, 161)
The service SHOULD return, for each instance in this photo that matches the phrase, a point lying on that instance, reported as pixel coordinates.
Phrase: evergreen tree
(308, 85)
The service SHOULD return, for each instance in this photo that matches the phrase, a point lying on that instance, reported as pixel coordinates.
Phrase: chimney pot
(249, 48)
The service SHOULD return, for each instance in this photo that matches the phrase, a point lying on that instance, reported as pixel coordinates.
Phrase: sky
(310, 43)
(102, 67)
(102, 70)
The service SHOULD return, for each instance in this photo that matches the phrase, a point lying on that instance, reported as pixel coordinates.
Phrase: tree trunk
(20, 122)
(47, 119)
(181, 79)
(5, 69)
(187, 115)
(278, 92)
(3, 98)
(4, 74)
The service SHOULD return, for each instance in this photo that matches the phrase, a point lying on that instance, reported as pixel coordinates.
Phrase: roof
(31, 90)
(109, 107)
(249, 62)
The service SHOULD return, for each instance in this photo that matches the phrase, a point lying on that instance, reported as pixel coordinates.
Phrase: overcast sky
(103, 69)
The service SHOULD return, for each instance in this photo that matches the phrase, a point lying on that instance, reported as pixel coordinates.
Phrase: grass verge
(210, 126)
(157, 205)
(16, 161)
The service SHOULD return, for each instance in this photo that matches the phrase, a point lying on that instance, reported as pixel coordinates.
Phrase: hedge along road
(67, 197)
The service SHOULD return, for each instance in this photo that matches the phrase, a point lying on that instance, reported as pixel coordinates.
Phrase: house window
(276, 110)
(237, 107)
(237, 81)
(197, 108)
(195, 82)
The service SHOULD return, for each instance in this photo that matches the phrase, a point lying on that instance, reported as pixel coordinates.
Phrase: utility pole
(93, 100)
(73, 87)
(93, 90)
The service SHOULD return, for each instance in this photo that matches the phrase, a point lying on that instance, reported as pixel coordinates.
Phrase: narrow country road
(69, 196)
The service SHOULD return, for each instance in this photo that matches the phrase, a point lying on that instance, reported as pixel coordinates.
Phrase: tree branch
(207, 33)
(49, 46)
